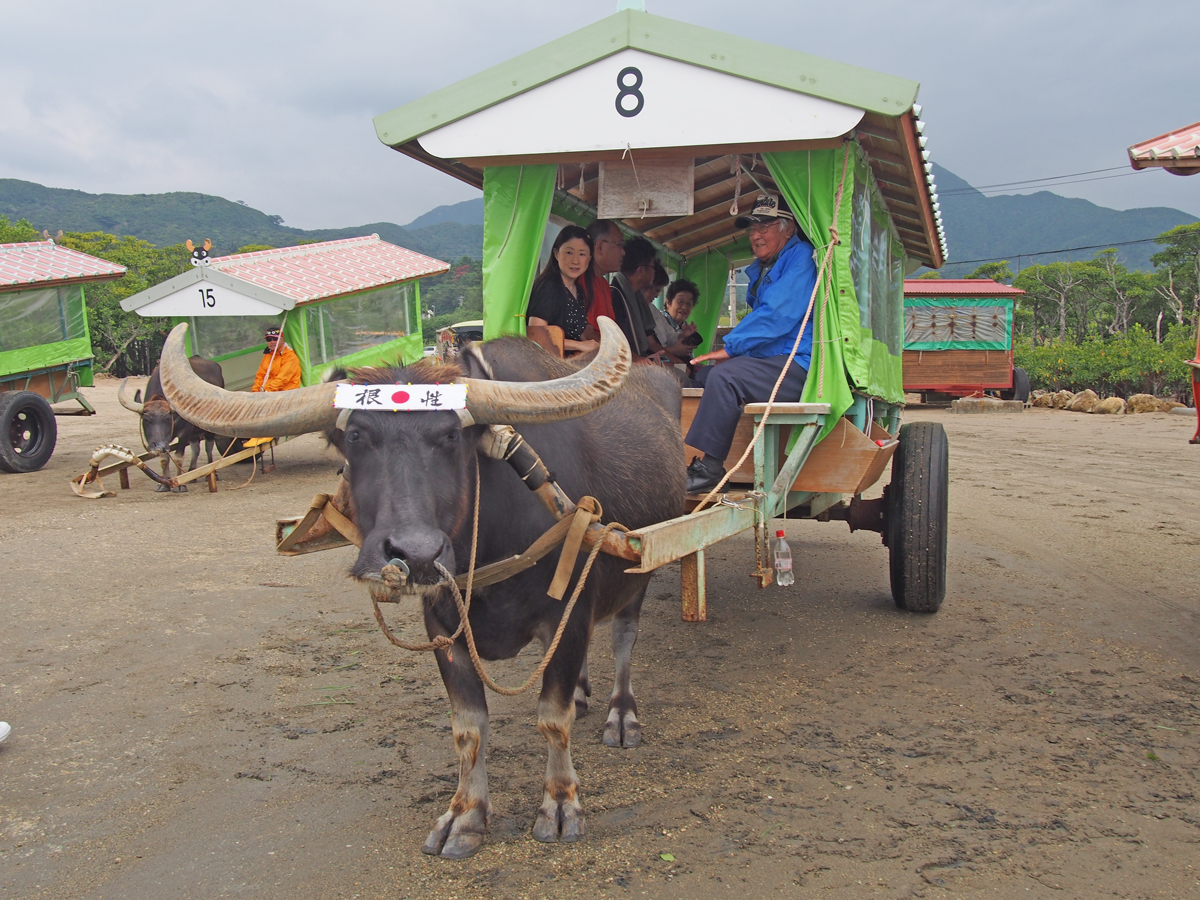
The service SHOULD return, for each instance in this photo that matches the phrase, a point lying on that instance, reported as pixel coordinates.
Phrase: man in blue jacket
(782, 278)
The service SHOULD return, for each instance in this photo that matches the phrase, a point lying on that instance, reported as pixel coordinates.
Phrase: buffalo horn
(527, 402)
(241, 414)
(126, 401)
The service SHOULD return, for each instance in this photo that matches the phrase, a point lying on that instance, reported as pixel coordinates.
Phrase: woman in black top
(559, 295)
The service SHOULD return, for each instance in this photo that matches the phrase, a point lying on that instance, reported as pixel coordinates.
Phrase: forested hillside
(168, 219)
(977, 226)
(1009, 225)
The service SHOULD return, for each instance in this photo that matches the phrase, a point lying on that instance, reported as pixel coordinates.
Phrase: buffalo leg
(622, 728)
(583, 690)
(209, 441)
(460, 831)
(166, 472)
(560, 817)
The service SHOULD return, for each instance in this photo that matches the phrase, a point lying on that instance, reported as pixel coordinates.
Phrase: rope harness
(571, 529)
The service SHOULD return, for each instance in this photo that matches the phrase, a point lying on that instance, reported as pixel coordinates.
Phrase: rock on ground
(1063, 399)
(1044, 400)
(1084, 401)
(1141, 403)
(1109, 406)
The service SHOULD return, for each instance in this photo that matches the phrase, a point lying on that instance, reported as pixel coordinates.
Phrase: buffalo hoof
(622, 730)
(182, 489)
(560, 822)
(162, 489)
(457, 836)
(583, 690)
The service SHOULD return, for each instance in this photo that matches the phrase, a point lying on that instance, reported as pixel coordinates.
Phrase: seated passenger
(672, 328)
(280, 366)
(608, 249)
(631, 311)
(559, 296)
(782, 279)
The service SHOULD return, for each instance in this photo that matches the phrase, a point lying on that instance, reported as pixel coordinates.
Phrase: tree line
(1095, 324)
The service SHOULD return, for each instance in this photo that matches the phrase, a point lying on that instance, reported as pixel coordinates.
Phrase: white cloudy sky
(271, 103)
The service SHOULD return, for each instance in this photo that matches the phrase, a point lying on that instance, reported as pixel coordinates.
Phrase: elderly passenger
(672, 328)
(782, 278)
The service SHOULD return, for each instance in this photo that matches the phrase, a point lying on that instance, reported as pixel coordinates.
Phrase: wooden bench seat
(845, 462)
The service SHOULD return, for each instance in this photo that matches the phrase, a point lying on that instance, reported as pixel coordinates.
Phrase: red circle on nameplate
(400, 397)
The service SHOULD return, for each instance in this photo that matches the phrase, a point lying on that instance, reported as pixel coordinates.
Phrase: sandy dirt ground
(195, 717)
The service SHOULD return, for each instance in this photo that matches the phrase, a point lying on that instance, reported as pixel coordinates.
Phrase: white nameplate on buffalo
(396, 397)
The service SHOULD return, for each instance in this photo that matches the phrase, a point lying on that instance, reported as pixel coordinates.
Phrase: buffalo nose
(420, 552)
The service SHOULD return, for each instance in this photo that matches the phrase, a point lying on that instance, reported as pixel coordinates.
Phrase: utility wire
(954, 191)
(1050, 178)
(1009, 257)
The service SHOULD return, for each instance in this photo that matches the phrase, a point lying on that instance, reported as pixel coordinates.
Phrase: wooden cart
(670, 130)
(45, 345)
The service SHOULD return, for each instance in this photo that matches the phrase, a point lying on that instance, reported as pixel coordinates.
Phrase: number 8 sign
(630, 90)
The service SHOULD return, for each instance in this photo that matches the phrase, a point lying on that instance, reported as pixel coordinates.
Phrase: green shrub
(1113, 366)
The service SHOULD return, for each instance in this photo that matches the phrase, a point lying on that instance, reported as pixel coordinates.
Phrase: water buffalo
(602, 429)
(162, 425)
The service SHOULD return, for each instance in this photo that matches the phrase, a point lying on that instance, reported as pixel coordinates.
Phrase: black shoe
(703, 475)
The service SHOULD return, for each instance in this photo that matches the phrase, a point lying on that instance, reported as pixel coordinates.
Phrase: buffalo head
(411, 473)
(157, 421)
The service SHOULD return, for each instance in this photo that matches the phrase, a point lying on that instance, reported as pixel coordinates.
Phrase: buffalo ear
(137, 396)
(335, 437)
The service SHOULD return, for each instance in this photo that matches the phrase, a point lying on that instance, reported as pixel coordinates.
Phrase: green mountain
(166, 219)
(469, 212)
(1008, 226)
(1012, 226)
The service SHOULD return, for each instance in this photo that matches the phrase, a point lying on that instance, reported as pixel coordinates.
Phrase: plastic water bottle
(782, 554)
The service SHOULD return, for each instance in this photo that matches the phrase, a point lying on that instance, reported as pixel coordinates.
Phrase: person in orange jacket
(280, 366)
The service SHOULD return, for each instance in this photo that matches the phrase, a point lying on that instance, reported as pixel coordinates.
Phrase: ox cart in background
(958, 339)
(642, 144)
(356, 302)
(45, 345)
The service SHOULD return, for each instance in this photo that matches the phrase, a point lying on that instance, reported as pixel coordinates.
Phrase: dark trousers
(730, 385)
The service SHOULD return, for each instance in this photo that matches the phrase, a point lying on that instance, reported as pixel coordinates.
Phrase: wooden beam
(878, 134)
(643, 153)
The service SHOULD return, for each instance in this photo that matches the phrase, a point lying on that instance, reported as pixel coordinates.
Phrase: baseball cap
(767, 208)
(271, 333)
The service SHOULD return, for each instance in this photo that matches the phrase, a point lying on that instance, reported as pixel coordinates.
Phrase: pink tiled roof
(329, 269)
(43, 262)
(958, 287)
(1176, 150)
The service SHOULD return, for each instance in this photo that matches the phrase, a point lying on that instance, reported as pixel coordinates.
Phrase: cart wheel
(917, 503)
(28, 431)
(1020, 388)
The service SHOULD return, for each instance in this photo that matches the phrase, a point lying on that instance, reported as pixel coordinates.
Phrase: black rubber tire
(917, 508)
(1020, 388)
(28, 431)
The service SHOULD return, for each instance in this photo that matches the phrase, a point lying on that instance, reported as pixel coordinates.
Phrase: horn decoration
(241, 414)
(126, 401)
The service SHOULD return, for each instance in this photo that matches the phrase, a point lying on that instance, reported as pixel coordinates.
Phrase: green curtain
(516, 202)
(44, 356)
(710, 272)
(964, 304)
(809, 182)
